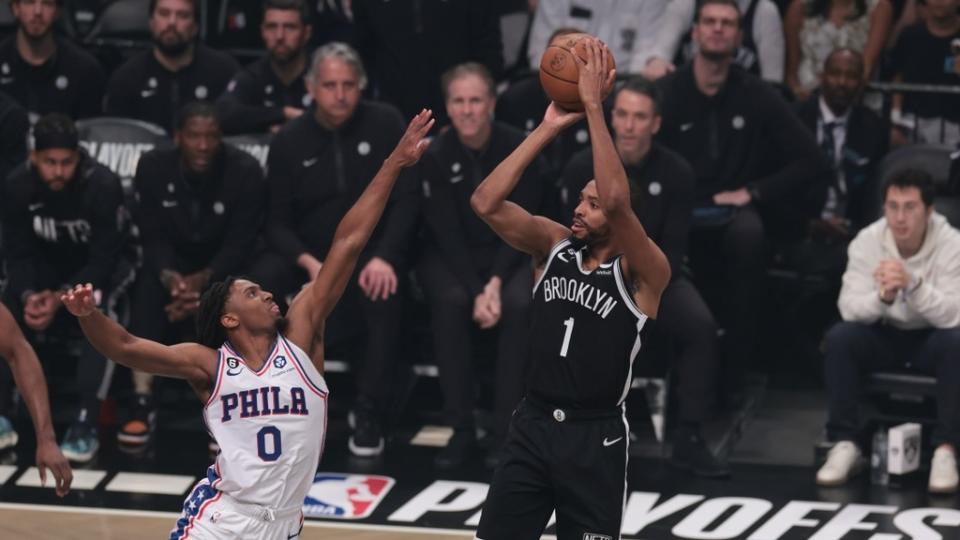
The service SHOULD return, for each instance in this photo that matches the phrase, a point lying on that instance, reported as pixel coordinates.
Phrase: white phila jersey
(270, 424)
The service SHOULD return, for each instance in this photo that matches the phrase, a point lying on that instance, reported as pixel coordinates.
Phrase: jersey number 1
(566, 337)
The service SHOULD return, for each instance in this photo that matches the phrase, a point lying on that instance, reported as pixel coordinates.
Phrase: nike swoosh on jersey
(686, 127)
(147, 93)
(169, 204)
(35, 206)
(310, 162)
(607, 442)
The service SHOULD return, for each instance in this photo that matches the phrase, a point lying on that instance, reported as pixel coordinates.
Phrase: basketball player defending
(259, 376)
(596, 284)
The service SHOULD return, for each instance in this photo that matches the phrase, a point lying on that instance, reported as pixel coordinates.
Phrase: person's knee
(845, 336)
(945, 343)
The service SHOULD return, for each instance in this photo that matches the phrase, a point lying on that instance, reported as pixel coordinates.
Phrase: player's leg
(204, 518)
(590, 473)
(521, 498)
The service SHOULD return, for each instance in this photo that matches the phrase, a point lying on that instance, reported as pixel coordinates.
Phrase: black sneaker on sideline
(367, 437)
(690, 453)
(141, 425)
(459, 448)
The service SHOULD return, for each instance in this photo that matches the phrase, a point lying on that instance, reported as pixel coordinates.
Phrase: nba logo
(345, 496)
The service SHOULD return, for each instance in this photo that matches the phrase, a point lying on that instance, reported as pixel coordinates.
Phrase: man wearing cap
(64, 222)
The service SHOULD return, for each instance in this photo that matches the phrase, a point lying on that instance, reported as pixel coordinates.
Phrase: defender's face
(251, 307)
(589, 223)
(55, 166)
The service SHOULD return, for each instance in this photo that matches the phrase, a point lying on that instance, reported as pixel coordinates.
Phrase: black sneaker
(367, 437)
(458, 449)
(690, 453)
(139, 428)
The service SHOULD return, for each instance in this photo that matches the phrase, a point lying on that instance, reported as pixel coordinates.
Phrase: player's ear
(229, 320)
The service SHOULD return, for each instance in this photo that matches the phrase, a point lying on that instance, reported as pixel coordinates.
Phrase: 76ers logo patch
(345, 496)
(233, 366)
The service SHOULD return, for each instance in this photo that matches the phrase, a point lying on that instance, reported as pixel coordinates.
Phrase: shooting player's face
(251, 307)
(589, 223)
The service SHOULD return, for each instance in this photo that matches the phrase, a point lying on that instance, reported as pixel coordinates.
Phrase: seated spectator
(661, 187)
(637, 33)
(13, 134)
(814, 28)
(271, 90)
(200, 207)
(154, 84)
(900, 304)
(64, 222)
(853, 139)
(926, 53)
(749, 154)
(761, 52)
(408, 45)
(46, 73)
(471, 278)
(319, 164)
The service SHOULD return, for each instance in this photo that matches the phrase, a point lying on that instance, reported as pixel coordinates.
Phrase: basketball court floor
(400, 496)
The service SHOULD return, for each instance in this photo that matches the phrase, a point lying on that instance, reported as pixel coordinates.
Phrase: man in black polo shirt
(154, 84)
(661, 185)
(472, 279)
(271, 90)
(44, 72)
(750, 155)
(318, 166)
(200, 207)
(64, 222)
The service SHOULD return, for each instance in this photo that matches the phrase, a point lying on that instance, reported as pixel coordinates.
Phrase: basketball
(559, 71)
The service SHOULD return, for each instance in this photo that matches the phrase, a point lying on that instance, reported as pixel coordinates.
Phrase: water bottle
(878, 458)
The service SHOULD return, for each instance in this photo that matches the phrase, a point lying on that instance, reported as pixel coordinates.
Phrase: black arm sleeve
(440, 217)
(238, 110)
(108, 231)
(281, 233)
(245, 220)
(158, 250)
(803, 165)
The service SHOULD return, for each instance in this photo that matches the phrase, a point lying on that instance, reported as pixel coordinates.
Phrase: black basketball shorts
(574, 462)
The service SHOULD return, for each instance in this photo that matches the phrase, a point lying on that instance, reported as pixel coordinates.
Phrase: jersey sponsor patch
(345, 496)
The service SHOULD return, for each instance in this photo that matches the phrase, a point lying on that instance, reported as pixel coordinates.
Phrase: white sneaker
(943, 471)
(844, 461)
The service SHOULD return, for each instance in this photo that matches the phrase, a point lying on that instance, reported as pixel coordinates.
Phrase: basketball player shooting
(597, 282)
(259, 376)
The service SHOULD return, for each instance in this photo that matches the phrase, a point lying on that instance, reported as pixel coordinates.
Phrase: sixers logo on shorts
(345, 496)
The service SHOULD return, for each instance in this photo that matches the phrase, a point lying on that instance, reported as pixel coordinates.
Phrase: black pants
(854, 349)
(735, 248)
(687, 321)
(451, 319)
(576, 466)
(355, 317)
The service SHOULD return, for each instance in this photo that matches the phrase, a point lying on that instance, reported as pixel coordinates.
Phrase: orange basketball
(559, 71)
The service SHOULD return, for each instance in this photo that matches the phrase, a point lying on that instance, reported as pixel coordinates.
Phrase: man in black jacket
(661, 186)
(200, 207)
(64, 222)
(318, 166)
(750, 155)
(154, 84)
(408, 45)
(472, 278)
(271, 90)
(47, 73)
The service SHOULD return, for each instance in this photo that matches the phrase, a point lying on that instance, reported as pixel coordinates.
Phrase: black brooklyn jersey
(585, 332)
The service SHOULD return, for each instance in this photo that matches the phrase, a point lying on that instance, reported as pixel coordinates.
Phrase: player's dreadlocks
(209, 330)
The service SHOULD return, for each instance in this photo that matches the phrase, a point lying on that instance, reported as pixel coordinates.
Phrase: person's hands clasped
(738, 197)
(39, 310)
(891, 277)
(378, 280)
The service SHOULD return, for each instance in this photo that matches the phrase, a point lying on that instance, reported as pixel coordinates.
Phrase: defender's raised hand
(413, 143)
(79, 300)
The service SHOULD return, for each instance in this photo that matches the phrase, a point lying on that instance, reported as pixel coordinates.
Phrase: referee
(597, 283)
